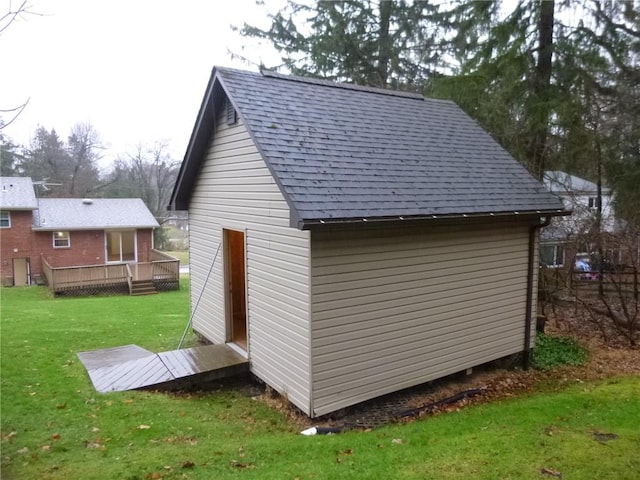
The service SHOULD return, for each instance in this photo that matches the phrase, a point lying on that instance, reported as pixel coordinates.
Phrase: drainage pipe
(530, 275)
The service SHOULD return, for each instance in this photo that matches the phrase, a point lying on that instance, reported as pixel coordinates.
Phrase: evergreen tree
(10, 157)
(46, 159)
(504, 72)
(384, 43)
(546, 79)
(555, 82)
(72, 165)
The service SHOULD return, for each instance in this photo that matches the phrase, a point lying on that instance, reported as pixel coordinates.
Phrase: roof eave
(75, 228)
(8, 208)
(308, 224)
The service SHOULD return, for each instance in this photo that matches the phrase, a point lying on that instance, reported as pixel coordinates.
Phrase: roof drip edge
(306, 224)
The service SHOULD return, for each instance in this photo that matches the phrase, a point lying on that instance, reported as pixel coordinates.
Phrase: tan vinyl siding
(235, 190)
(392, 309)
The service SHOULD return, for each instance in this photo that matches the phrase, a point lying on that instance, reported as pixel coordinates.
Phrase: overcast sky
(135, 69)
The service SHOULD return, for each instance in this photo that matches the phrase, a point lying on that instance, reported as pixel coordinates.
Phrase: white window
(61, 240)
(552, 255)
(593, 203)
(5, 220)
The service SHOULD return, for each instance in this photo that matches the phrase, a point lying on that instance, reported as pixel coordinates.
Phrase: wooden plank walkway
(131, 367)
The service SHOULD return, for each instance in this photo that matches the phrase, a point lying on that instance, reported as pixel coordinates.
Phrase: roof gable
(342, 152)
(16, 193)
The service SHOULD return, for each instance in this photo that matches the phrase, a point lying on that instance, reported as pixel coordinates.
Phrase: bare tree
(13, 13)
(148, 173)
(6, 20)
(607, 294)
(83, 146)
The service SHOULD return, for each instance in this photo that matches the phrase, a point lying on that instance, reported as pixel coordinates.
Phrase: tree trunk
(541, 82)
(384, 42)
(599, 214)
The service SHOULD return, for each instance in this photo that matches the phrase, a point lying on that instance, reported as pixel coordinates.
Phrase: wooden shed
(353, 241)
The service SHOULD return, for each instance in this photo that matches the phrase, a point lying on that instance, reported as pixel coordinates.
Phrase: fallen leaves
(9, 436)
(343, 453)
(604, 437)
(551, 472)
(97, 444)
(551, 430)
(181, 439)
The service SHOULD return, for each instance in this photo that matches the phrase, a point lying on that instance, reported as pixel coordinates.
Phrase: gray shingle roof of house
(99, 213)
(16, 193)
(564, 183)
(342, 152)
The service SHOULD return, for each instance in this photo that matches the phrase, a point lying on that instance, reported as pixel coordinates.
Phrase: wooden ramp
(131, 367)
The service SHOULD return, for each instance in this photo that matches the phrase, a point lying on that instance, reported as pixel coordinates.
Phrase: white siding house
(581, 197)
(350, 241)
(236, 192)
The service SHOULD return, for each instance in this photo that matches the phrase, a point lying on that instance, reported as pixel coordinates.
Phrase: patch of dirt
(608, 358)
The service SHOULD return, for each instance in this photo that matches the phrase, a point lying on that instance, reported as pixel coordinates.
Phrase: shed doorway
(235, 281)
(20, 272)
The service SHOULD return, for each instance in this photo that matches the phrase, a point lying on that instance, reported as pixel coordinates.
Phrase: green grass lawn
(55, 426)
(182, 255)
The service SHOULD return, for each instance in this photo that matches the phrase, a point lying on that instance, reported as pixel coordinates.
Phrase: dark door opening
(236, 287)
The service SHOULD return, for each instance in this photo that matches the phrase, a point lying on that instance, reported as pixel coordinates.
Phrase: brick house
(68, 232)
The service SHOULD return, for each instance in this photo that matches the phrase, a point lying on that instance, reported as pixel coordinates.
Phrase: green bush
(553, 351)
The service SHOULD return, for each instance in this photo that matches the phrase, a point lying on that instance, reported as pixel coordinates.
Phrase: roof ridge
(346, 86)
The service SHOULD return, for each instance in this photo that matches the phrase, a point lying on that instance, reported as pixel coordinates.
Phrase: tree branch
(18, 110)
(8, 18)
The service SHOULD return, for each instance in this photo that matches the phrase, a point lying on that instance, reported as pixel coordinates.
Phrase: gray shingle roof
(341, 152)
(16, 193)
(101, 213)
(564, 183)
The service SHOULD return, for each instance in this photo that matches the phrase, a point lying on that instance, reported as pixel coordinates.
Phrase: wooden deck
(163, 271)
(131, 367)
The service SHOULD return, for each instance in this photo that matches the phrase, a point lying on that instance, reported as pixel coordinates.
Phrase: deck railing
(47, 270)
(165, 267)
(61, 279)
(163, 270)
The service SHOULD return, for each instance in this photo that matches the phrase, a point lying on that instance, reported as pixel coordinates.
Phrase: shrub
(553, 351)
